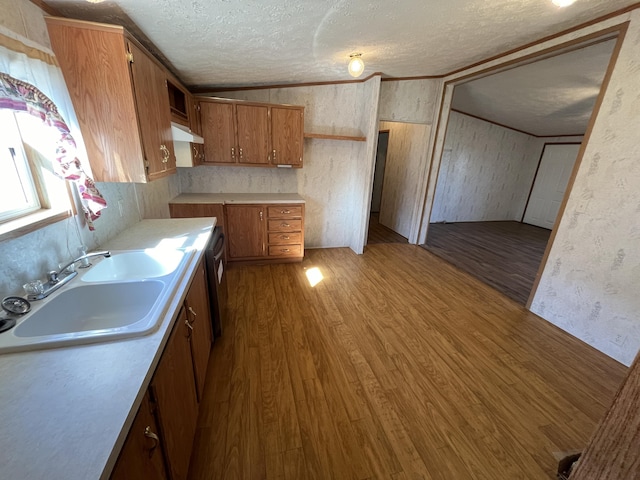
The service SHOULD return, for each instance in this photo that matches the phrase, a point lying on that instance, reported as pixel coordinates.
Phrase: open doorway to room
(401, 150)
(511, 143)
(379, 233)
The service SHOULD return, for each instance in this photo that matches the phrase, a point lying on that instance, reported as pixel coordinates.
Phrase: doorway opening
(379, 233)
(400, 154)
(512, 142)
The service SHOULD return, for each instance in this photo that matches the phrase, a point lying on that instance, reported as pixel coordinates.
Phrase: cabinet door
(194, 116)
(98, 76)
(245, 230)
(218, 130)
(141, 456)
(253, 134)
(198, 315)
(287, 125)
(154, 114)
(174, 392)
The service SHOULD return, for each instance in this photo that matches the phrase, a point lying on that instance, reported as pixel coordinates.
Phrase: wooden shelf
(335, 137)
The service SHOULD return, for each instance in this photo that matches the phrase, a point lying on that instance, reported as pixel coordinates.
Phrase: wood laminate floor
(397, 365)
(378, 233)
(505, 255)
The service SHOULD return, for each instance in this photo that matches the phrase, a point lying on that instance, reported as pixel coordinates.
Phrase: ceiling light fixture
(563, 3)
(356, 65)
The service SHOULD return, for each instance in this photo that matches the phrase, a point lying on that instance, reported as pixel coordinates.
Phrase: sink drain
(15, 305)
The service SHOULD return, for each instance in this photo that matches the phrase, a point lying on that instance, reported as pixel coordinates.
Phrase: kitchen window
(18, 195)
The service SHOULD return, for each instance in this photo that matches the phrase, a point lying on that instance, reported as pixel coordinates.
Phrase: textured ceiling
(252, 42)
(554, 96)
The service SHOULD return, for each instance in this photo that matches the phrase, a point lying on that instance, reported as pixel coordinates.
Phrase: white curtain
(31, 63)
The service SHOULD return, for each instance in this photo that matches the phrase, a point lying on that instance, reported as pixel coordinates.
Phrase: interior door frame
(557, 45)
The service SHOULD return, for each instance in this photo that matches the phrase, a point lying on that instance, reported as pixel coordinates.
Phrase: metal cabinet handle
(165, 153)
(193, 313)
(284, 237)
(274, 154)
(186, 322)
(156, 441)
(286, 212)
(233, 154)
(241, 154)
(260, 214)
(285, 225)
(195, 152)
(285, 250)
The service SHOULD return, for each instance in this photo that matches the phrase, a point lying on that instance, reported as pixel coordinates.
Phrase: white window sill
(34, 221)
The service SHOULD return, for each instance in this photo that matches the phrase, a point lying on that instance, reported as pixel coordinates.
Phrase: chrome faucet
(56, 279)
(54, 276)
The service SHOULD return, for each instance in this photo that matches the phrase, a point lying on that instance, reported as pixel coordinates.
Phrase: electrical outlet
(619, 339)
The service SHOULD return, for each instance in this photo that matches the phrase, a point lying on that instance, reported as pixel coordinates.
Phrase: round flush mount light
(563, 3)
(356, 65)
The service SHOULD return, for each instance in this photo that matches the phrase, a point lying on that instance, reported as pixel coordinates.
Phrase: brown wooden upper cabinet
(251, 134)
(119, 93)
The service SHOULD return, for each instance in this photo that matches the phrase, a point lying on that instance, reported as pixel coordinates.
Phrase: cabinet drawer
(285, 238)
(285, 225)
(284, 211)
(285, 250)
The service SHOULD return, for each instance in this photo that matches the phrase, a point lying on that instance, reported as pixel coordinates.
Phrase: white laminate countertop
(238, 198)
(65, 412)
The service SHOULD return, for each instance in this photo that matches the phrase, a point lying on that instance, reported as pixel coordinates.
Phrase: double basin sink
(125, 295)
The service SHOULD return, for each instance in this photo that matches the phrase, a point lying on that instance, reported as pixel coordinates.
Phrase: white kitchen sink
(126, 295)
(135, 265)
(93, 308)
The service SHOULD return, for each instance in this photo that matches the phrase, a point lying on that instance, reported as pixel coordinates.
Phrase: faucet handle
(52, 276)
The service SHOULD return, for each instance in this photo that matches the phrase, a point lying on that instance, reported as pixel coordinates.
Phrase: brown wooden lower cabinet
(197, 311)
(173, 390)
(255, 233)
(246, 231)
(159, 442)
(142, 454)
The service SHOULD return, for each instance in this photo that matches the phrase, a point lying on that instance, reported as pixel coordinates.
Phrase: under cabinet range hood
(183, 134)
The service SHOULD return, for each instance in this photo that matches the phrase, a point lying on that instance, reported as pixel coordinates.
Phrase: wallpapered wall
(30, 256)
(413, 101)
(332, 177)
(485, 173)
(590, 282)
(406, 152)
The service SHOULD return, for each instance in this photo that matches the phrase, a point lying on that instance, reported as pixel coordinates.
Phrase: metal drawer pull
(193, 313)
(165, 153)
(284, 237)
(285, 211)
(233, 154)
(156, 441)
(285, 225)
(285, 250)
(186, 322)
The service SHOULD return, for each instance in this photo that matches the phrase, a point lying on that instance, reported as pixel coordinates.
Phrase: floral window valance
(21, 96)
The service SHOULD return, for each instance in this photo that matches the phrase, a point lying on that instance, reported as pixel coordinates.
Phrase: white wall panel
(488, 173)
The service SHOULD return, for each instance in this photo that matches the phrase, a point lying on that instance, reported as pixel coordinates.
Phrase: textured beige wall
(25, 19)
(486, 172)
(406, 153)
(590, 282)
(413, 101)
